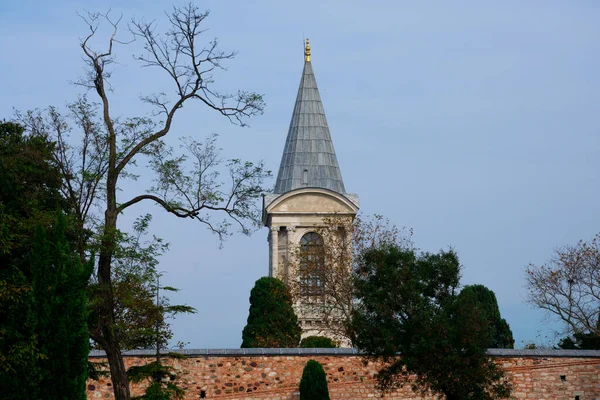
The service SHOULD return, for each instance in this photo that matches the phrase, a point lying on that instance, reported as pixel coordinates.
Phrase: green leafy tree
(313, 385)
(59, 291)
(135, 277)
(581, 341)
(271, 320)
(142, 311)
(186, 185)
(407, 304)
(29, 191)
(29, 196)
(317, 342)
(501, 336)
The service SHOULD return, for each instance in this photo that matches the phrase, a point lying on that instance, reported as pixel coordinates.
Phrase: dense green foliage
(59, 291)
(19, 354)
(29, 196)
(45, 339)
(29, 191)
(407, 304)
(313, 385)
(317, 342)
(501, 335)
(271, 320)
(158, 391)
(582, 340)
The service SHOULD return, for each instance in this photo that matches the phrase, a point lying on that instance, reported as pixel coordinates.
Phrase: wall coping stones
(553, 353)
(526, 353)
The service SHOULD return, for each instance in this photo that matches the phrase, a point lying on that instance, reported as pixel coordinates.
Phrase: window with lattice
(312, 261)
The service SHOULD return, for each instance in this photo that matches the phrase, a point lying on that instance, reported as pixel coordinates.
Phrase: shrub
(317, 342)
(313, 385)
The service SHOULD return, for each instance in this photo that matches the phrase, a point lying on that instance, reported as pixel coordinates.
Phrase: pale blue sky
(474, 123)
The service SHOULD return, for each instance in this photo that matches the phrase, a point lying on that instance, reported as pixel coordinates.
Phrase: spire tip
(307, 51)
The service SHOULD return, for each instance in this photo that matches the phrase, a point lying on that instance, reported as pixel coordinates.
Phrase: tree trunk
(111, 345)
(118, 373)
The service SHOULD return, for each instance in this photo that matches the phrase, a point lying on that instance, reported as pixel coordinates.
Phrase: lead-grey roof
(308, 146)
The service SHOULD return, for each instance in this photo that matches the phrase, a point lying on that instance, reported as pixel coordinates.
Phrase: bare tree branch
(568, 286)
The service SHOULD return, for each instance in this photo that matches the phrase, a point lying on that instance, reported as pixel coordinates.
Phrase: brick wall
(275, 374)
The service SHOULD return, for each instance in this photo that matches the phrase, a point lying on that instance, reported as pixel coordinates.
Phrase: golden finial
(307, 51)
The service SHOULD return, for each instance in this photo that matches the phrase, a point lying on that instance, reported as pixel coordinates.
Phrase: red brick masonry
(275, 374)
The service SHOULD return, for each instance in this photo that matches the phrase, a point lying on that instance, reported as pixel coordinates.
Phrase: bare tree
(568, 286)
(83, 163)
(322, 280)
(186, 185)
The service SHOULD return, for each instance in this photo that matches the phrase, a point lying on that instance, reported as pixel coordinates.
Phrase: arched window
(312, 260)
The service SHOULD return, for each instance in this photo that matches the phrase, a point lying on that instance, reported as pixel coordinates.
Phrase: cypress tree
(19, 354)
(313, 385)
(271, 320)
(59, 291)
(501, 334)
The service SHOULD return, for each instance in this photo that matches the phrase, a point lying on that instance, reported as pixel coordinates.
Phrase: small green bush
(312, 342)
(313, 385)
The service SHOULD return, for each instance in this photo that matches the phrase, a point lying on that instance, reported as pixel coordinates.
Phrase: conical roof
(308, 157)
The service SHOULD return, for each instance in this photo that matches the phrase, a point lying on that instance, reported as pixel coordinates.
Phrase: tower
(308, 191)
